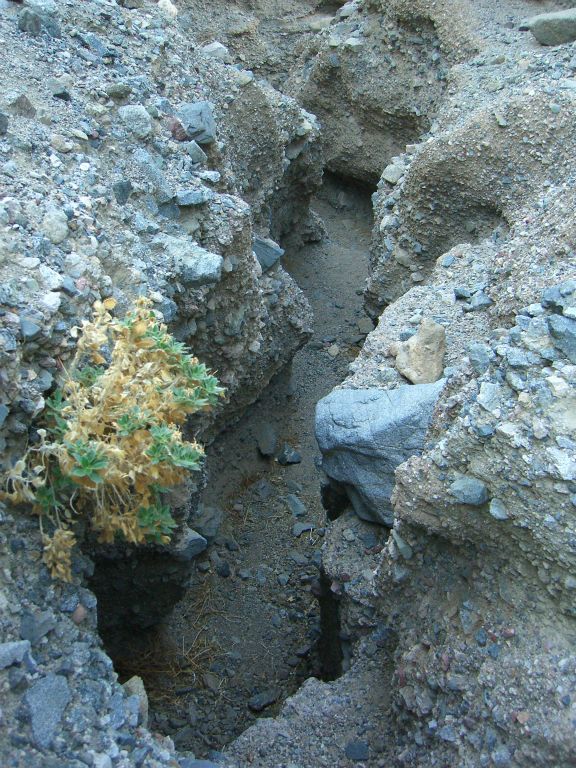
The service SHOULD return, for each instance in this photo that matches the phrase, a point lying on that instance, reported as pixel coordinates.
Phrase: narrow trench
(249, 631)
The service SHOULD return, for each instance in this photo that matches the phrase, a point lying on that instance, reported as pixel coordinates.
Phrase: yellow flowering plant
(111, 443)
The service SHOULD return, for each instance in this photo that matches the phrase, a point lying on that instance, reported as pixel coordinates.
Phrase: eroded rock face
(375, 76)
(507, 473)
(464, 616)
(469, 183)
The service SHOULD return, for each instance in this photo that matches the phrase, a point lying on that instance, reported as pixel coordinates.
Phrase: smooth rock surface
(554, 28)
(365, 434)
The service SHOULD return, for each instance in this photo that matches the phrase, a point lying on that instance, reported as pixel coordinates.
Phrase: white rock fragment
(393, 172)
(55, 226)
(137, 119)
(216, 51)
(168, 9)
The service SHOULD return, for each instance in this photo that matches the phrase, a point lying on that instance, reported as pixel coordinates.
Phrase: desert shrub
(110, 444)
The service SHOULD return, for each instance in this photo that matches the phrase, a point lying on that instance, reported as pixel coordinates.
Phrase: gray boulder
(554, 28)
(563, 331)
(207, 521)
(190, 545)
(364, 434)
(469, 490)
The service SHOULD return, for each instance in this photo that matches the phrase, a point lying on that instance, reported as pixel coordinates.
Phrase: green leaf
(133, 420)
(89, 460)
(56, 424)
(89, 374)
(157, 521)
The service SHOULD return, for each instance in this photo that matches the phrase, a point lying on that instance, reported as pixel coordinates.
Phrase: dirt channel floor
(243, 638)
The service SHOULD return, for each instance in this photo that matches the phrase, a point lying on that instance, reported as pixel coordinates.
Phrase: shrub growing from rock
(110, 445)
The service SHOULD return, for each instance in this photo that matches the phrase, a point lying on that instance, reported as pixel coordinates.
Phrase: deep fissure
(246, 635)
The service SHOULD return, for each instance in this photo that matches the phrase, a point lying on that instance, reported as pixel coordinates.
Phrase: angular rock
(267, 252)
(297, 507)
(196, 153)
(560, 297)
(554, 28)
(207, 521)
(393, 173)
(197, 122)
(563, 331)
(216, 50)
(299, 528)
(135, 687)
(29, 22)
(46, 700)
(190, 545)
(122, 190)
(13, 652)
(480, 300)
(288, 455)
(3, 124)
(198, 196)
(260, 701)
(22, 106)
(364, 434)
(163, 192)
(46, 12)
(479, 356)
(29, 329)
(34, 626)
(421, 358)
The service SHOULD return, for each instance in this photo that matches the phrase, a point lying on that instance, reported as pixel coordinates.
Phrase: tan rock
(61, 143)
(421, 358)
